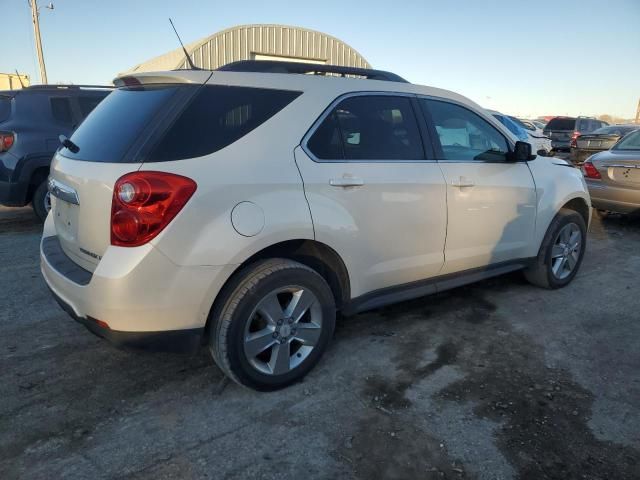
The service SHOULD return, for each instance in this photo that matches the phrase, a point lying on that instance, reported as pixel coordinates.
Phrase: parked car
(541, 145)
(242, 208)
(537, 138)
(601, 139)
(540, 124)
(31, 120)
(563, 131)
(613, 176)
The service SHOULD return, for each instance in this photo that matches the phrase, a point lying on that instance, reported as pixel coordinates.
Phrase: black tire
(541, 272)
(235, 309)
(39, 202)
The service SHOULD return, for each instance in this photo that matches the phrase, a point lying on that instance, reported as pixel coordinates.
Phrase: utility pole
(638, 113)
(35, 14)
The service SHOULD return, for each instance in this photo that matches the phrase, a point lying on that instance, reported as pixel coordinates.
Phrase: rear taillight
(590, 171)
(574, 139)
(144, 203)
(6, 141)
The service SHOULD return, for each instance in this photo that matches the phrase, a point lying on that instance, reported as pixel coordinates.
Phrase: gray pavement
(497, 380)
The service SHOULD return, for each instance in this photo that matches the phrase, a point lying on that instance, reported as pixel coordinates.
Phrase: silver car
(613, 176)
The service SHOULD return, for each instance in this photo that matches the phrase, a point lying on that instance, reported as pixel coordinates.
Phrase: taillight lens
(6, 141)
(144, 203)
(574, 139)
(590, 171)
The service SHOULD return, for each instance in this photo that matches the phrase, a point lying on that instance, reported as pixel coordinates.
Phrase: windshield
(5, 108)
(117, 122)
(561, 124)
(630, 142)
(513, 127)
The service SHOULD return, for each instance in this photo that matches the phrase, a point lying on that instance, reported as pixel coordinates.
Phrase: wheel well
(579, 205)
(316, 255)
(37, 177)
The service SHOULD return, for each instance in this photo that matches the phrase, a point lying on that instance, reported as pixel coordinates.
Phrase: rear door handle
(463, 182)
(346, 182)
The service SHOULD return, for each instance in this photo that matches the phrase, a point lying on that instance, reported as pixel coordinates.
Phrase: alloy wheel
(283, 330)
(566, 251)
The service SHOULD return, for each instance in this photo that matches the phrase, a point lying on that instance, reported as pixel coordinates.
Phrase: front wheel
(561, 252)
(272, 324)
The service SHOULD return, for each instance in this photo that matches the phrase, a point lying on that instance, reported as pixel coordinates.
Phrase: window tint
(465, 135)
(216, 117)
(561, 124)
(61, 109)
(326, 143)
(117, 122)
(629, 142)
(5, 108)
(369, 128)
(87, 104)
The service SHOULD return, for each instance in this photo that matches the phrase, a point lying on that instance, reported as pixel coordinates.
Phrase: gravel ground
(497, 380)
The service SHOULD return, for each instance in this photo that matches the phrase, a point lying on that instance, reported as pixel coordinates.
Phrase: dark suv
(563, 131)
(30, 122)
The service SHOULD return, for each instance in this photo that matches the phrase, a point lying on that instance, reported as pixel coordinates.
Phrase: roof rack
(275, 66)
(65, 87)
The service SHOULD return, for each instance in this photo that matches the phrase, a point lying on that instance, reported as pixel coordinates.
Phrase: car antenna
(189, 61)
(19, 79)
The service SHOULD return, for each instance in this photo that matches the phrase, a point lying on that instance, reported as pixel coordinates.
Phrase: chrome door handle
(346, 182)
(463, 182)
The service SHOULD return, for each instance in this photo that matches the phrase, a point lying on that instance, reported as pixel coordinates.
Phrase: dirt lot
(498, 380)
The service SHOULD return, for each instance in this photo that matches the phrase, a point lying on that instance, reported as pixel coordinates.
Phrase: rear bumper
(13, 194)
(561, 145)
(579, 156)
(136, 297)
(607, 197)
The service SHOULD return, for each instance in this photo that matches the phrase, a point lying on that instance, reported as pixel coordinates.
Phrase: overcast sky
(529, 58)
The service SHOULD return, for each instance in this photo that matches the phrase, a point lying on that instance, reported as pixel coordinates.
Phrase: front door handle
(463, 182)
(346, 182)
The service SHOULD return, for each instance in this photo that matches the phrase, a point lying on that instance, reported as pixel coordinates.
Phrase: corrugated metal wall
(244, 42)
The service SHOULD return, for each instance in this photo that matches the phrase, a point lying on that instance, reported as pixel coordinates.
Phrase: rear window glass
(117, 122)
(216, 117)
(5, 108)
(87, 104)
(630, 142)
(561, 124)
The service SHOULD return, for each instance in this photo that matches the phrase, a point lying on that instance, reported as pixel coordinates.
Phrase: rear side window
(217, 117)
(369, 128)
(61, 110)
(464, 135)
(629, 142)
(5, 108)
(561, 124)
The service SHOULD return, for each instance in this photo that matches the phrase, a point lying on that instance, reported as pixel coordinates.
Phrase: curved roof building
(259, 42)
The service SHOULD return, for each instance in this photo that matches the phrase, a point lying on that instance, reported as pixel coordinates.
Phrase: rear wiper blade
(72, 147)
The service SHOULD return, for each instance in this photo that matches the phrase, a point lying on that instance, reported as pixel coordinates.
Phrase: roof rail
(65, 87)
(275, 66)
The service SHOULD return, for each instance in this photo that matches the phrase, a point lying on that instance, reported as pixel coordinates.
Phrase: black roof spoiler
(274, 66)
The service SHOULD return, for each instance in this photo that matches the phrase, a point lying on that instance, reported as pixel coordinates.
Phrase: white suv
(242, 209)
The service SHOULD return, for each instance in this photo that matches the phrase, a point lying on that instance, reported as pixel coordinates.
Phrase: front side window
(370, 127)
(464, 135)
(629, 142)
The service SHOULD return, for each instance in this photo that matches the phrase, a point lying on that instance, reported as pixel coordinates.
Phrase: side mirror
(521, 152)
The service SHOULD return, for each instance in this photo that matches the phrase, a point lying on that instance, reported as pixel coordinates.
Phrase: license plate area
(65, 218)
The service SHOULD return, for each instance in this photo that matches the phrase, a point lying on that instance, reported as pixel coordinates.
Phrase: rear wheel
(561, 252)
(41, 201)
(272, 325)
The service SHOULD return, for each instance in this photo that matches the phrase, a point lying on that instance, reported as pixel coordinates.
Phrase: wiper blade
(68, 144)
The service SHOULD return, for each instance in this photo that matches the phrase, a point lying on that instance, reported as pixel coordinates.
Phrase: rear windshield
(164, 123)
(561, 124)
(5, 108)
(630, 142)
